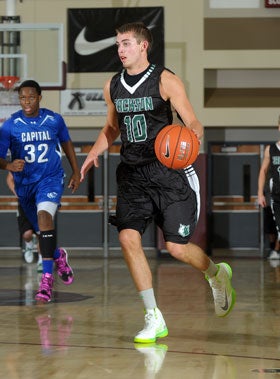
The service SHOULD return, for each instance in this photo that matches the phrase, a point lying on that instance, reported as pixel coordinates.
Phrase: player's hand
(16, 166)
(198, 136)
(197, 128)
(262, 201)
(91, 160)
(74, 182)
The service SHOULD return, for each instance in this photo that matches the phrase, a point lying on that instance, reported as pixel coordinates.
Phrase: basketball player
(271, 165)
(139, 101)
(34, 136)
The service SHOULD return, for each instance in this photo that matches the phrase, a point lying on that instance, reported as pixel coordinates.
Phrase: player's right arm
(16, 165)
(107, 135)
(172, 88)
(262, 177)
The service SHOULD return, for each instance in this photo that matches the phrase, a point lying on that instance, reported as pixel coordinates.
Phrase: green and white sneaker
(28, 253)
(154, 327)
(223, 293)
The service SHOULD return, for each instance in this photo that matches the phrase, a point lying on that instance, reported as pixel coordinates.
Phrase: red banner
(272, 3)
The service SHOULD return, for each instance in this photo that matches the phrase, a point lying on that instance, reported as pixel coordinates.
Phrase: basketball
(176, 146)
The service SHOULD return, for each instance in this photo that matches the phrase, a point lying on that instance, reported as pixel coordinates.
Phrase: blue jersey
(37, 141)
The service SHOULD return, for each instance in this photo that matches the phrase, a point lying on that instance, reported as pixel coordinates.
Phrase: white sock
(148, 298)
(211, 270)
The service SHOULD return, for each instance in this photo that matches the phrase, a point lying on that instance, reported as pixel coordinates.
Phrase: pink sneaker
(64, 271)
(44, 292)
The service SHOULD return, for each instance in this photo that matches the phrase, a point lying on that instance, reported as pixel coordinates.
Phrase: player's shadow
(23, 297)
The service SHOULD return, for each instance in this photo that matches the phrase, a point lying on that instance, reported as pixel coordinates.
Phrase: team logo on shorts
(184, 230)
(52, 195)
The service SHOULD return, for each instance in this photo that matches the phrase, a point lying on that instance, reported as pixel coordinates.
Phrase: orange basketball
(176, 146)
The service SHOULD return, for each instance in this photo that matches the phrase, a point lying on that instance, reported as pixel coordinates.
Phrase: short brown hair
(140, 30)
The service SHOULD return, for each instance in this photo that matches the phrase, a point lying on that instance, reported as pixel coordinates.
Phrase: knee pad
(47, 206)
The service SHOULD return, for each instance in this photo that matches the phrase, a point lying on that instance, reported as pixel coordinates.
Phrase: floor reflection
(54, 333)
(154, 355)
(224, 368)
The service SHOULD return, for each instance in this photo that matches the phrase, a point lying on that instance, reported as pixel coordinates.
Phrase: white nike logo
(84, 47)
(167, 151)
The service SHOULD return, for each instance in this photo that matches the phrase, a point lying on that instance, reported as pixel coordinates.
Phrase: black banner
(92, 36)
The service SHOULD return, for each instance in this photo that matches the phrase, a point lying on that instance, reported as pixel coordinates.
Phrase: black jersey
(274, 152)
(142, 113)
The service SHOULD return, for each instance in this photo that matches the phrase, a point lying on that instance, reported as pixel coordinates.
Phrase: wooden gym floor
(87, 332)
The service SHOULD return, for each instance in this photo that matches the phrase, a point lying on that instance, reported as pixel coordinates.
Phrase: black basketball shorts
(275, 207)
(269, 223)
(153, 191)
(23, 222)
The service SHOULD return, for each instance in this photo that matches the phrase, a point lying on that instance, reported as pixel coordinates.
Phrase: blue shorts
(48, 189)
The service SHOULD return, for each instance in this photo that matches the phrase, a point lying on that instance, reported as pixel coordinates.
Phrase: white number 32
(31, 153)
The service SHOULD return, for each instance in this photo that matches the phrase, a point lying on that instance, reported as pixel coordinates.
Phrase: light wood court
(87, 331)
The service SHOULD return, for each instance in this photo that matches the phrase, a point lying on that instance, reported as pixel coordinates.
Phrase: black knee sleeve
(47, 243)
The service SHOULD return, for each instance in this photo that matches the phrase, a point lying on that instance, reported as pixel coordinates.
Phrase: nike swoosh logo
(167, 149)
(225, 307)
(84, 47)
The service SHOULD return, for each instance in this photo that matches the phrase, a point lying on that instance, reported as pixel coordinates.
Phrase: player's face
(29, 101)
(129, 49)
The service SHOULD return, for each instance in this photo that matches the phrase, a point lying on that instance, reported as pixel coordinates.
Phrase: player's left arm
(68, 148)
(69, 151)
(172, 88)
